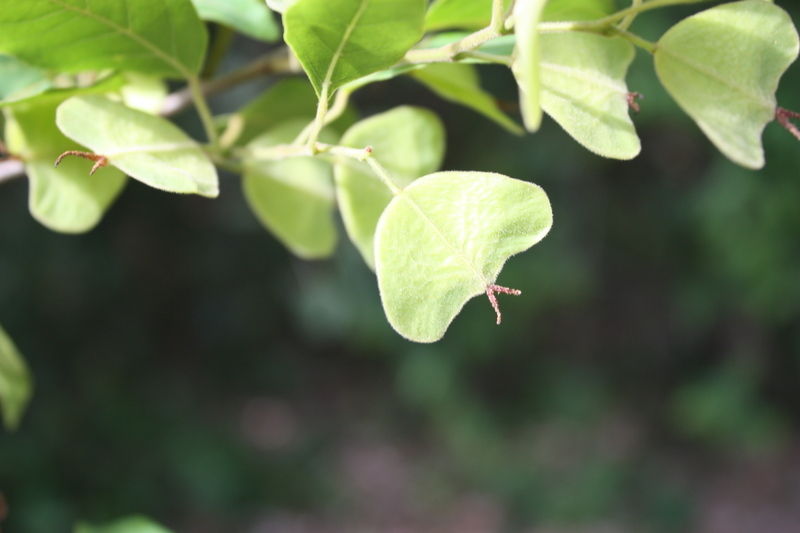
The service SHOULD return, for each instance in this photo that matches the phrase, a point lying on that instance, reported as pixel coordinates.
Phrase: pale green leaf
(461, 14)
(527, 14)
(143, 92)
(445, 238)
(583, 89)
(18, 80)
(281, 5)
(577, 9)
(723, 65)
(249, 17)
(459, 83)
(163, 37)
(66, 199)
(131, 524)
(338, 41)
(16, 385)
(147, 148)
(292, 197)
(409, 143)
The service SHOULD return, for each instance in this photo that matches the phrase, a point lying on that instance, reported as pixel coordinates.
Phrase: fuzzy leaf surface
(722, 67)
(445, 238)
(294, 197)
(409, 143)
(147, 148)
(338, 41)
(16, 385)
(583, 88)
(164, 37)
(527, 14)
(64, 199)
(249, 17)
(460, 83)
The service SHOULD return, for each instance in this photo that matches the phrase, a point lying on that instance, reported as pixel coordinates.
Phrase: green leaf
(723, 65)
(459, 83)
(16, 385)
(18, 80)
(163, 37)
(461, 14)
(147, 148)
(250, 17)
(289, 98)
(338, 41)
(280, 5)
(66, 199)
(583, 89)
(577, 9)
(131, 524)
(292, 197)
(143, 92)
(409, 143)
(445, 238)
(527, 14)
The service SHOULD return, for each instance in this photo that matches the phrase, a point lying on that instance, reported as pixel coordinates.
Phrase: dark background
(188, 368)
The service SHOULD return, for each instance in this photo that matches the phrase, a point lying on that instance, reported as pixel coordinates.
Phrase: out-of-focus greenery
(190, 370)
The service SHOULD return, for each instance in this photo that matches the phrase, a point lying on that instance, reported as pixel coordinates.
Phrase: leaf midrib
(326, 83)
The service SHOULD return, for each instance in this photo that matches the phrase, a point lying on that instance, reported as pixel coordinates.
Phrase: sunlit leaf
(583, 89)
(577, 9)
(65, 199)
(338, 41)
(527, 14)
(280, 5)
(147, 148)
(293, 197)
(153, 36)
(132, 524)
(18, 80)
(409, 143)
(445, 238)
(462, 14)
(16, 385)
(459, 83)
(723, 65)
(249, 17)
(143, 92)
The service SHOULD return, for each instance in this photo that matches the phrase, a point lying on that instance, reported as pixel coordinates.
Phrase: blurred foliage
(190, 370)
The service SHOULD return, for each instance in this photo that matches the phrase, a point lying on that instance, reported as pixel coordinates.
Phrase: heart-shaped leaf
(66, 199)
(459, 83)
(723, 65)
(338, 41)
(153, 36)
(409, 143)
(292, 197)
(147, 148)
(16, 385)
(249, 17)
(527, 14)
(445, 238)
(583, 89)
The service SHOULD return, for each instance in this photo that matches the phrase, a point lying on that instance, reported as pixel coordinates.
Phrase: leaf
(583, 89)
(249, 17)
(577, 9)
(445, 238)
(289, 98)
(147, 148)
(143, 92)
(66, 199)
(338, 41)
(280, 5)
(18, 80)
(723, 65)
(131, 524)
(459, 83)
(527, 14)
(16, 386)
(292, 197)
(409, 143)
(461, 14)
(159, 37)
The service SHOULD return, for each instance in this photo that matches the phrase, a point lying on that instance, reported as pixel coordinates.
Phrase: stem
(203, 110)
(487, 58)
(635, 39)
(448, 52)
(627, 21)
(319, 120)
(498, 16)
(339, 105)
(600, 25)
(381, 172)
(219, 46)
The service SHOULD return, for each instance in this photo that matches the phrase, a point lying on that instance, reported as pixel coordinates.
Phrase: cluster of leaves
(88, 79)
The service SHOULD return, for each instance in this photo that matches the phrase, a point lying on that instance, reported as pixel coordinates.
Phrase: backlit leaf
(445, 238)
(338, 41)
(723, 65)
(154, 36)
(583, 89)
(292, 197)
(131, 524)
(409, 143)
(527, 14)
(250, 17)
(459, 83)
(461, 14)
(16, 385)
(147, 148)
(18, 80)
